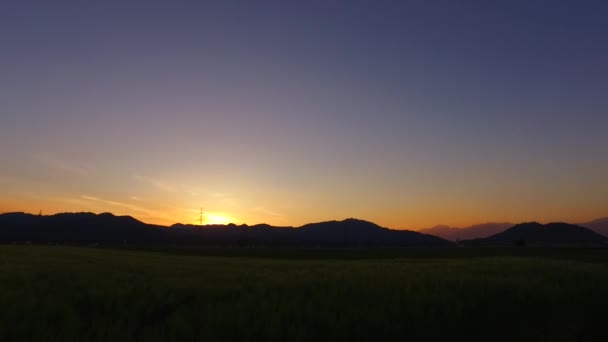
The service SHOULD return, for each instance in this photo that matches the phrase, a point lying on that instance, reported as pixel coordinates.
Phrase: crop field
(52, 293)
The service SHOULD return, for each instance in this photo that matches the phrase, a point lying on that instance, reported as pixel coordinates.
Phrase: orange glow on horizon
(182, 210)
(217, 219)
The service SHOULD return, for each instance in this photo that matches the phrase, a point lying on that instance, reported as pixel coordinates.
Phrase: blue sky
(405, 113)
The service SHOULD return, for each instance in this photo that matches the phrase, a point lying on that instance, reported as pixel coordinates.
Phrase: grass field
(80, 294)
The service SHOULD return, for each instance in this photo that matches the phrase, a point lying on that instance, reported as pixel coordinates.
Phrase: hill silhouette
(77, 228)
(349, 233)
(536, 234)
(472, 232)
(360, 232)
(106, 228)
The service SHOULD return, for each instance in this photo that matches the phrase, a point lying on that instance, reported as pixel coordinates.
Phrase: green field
(87, 294)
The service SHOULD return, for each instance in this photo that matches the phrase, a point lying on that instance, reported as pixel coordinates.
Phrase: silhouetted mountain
(88, 228)
(231, 234)
(599, 226)
(473, 232)
(363, 233)
(77, 228)
(347, 233)
(536, 234)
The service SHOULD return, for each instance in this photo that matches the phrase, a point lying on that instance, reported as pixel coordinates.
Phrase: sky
(405, 113)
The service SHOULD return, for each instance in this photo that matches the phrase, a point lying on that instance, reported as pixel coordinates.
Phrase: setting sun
(217, 219)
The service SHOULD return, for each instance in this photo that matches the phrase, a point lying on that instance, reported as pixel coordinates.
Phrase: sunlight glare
(217, 219)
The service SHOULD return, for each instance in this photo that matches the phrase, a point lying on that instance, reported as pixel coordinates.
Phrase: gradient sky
(405, 113)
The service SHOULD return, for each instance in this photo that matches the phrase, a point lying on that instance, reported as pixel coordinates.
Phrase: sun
(217, 219)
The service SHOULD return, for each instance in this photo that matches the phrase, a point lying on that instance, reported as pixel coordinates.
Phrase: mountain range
(109, 229)
(88, 228)
(599, 226)
(484, 230)
(468, 233)
(536, 234)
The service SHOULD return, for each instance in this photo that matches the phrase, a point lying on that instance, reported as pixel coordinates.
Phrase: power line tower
(200, 220)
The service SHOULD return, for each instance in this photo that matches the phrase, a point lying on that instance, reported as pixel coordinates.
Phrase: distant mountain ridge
(107, 228)
(472, 232)
(599, 226)
(484, 230)
(536, 234)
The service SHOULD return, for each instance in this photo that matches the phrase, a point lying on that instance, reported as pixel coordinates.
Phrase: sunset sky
(405, 113)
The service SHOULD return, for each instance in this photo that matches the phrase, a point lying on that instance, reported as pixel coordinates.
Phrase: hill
(81, 228)
(362, 233)
(346, 233)
(88, 228)
(536, 234)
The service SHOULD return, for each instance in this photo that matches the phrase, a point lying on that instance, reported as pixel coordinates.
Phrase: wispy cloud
(156, 183)
(130, 207)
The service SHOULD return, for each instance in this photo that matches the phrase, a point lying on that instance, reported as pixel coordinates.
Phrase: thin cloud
(128, 206)
(156, 183)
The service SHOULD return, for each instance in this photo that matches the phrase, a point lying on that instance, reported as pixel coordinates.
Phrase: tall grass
(73, 294)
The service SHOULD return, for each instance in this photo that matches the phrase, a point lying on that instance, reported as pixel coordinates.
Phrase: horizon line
(296, 226)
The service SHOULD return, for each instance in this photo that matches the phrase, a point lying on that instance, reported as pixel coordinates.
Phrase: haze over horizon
(409, 115)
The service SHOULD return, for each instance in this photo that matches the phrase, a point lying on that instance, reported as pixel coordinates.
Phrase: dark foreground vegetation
(58, 293)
